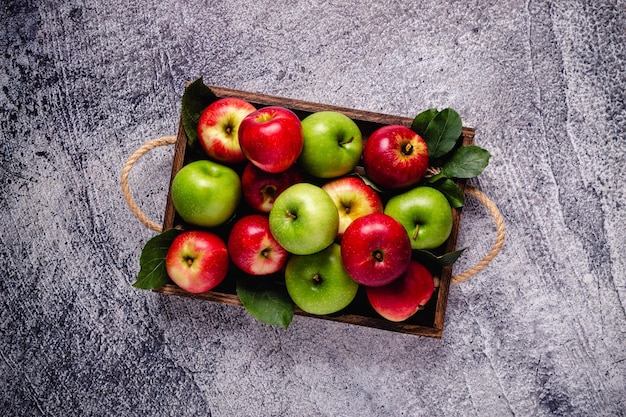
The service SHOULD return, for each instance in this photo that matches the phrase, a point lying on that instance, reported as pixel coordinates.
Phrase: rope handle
(469, 190)
(498, 243)
(145, 148)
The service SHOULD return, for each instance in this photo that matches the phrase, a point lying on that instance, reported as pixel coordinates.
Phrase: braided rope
(498, 243)
(146, 147)
(470, 190)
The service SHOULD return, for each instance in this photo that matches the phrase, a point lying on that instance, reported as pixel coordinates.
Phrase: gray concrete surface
(540, 332)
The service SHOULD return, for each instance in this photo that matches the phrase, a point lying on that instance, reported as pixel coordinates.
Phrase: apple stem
(347, 141)
(417, 229)
(408, 149)
(317, 278)
(265, 253)
(291, 215)
(378, 255)
(269, 191)
(265, 117)
(433, 171)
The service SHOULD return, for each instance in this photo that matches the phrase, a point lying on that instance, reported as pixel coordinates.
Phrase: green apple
(205, 193)
(304, 219)
(318, 283)
(426, 215)
(332, 144)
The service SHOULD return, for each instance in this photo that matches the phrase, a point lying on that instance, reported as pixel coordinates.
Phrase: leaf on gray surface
(443, 132)
(421, 121)
(446, 259)
(152, 273)
(196, 98)
(466, 162)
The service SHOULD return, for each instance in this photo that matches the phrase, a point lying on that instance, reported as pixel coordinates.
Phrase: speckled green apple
(304, 219)
(333, 144)
(318, 283)
(426, 215)
(205, 193)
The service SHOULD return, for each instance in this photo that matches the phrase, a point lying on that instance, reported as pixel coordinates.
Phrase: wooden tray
(427, 322)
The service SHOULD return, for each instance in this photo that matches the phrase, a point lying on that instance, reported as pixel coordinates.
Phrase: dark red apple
(252, 247)
(403, 297)
(197, 261)
(394, 156)
(260, 188)
(271, 138)
(375, 250)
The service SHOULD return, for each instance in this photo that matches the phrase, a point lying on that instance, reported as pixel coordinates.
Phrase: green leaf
(453, 193)
(367, 181)
(442, 133)
(266, 300)
(446, 259)
(466, 162)
(152, 273)
(196, 98)
(421, 121)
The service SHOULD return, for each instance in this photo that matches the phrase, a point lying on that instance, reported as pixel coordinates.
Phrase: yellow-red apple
(218, 128)
(197, 261)
(353, 199)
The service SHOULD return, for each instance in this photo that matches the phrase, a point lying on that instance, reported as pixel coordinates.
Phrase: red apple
(197, 261)
(405, 296)
(353, 199)
(395, 157)
(260, 188)
(271, 138)
(252, 247)
(375, 249)
(218, 126)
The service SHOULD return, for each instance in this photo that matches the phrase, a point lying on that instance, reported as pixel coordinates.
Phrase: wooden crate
(427, 322)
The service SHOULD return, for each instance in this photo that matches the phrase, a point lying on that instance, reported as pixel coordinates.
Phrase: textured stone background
(542, 331)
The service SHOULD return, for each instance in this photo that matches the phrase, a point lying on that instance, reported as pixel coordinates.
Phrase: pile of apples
(309, 216)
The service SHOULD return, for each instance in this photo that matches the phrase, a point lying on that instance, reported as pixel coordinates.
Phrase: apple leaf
(453, 193)
(152, 273)
(446, 259)
(466, 162)
(367, 181)
(196, 98)
(266, 301)
(421, 121)
(442, 133)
